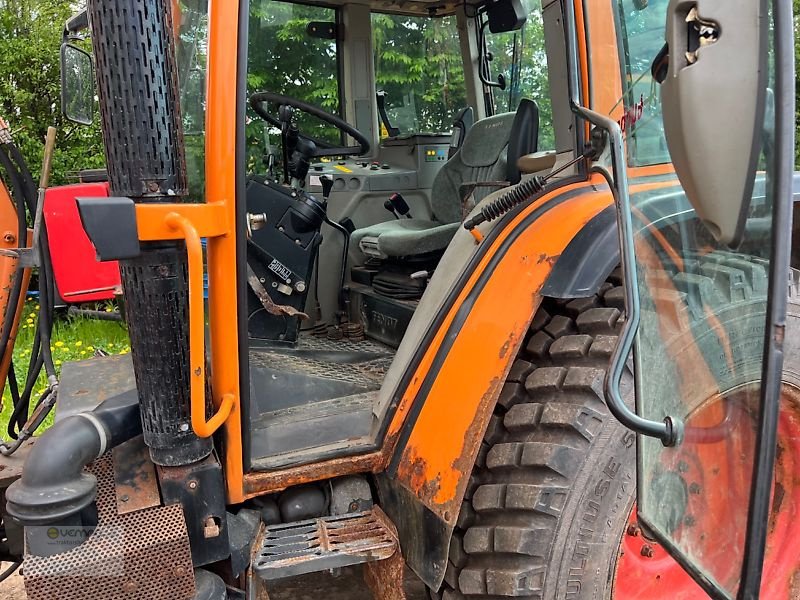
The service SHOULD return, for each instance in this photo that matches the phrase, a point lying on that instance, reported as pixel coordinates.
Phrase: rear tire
(554, 481)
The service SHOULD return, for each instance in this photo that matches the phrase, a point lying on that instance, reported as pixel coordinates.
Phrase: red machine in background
(79, 276)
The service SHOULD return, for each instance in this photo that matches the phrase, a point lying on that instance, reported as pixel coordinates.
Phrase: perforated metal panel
(138, 91)
(157, 305)
(142, 555)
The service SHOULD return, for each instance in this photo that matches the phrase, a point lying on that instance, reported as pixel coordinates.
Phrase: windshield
(520, 56)
(284, 58)
(419, 68)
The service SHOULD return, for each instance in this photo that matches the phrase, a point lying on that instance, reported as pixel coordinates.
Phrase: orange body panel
(441, 450)
(438, 456)
(604, 56)
(8, 266)
(210, 220)
(221, 189)
(583, 58)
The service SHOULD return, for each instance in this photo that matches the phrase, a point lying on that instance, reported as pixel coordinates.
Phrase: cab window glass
(418, 66)
(641, 35)
(701, 337)
(192, 54)
(284, 59)
(521, 58)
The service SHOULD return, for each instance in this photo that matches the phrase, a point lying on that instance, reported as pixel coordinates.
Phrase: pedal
(290, 549)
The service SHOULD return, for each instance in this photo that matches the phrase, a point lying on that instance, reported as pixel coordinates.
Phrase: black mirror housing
(77, 85)
(506, 15)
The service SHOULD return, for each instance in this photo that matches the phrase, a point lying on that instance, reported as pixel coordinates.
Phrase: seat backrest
(463, 122)
(489, 153)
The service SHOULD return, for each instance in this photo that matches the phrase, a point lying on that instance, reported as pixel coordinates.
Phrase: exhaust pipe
(54, 490)
(137, 86)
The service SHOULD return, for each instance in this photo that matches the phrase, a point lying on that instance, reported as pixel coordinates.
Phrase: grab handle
(197, 376)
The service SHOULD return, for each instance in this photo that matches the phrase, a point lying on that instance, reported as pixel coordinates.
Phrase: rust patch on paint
(419, 479)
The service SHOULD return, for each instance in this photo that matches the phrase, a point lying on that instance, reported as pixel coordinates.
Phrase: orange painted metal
(651, 171)
(210, 220)
(8, 266)
(604, 57)
(197, 371)
(221, 107)
(438, 458)
(583, 59)
(441, 450)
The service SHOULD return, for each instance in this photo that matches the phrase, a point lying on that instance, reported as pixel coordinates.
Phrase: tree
(30, 34)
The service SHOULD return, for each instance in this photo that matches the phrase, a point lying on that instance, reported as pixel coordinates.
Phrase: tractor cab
(492, 292)
(363, 156)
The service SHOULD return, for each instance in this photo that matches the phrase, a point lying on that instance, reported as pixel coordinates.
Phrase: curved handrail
(197, 376)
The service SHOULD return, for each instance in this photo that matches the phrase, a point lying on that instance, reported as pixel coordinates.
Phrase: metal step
(290, 549)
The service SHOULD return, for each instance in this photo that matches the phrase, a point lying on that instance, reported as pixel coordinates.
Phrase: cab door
(712, 274)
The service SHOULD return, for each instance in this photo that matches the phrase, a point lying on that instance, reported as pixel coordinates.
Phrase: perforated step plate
(290, 549)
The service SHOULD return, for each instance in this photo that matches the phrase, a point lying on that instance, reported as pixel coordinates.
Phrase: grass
(74, 338)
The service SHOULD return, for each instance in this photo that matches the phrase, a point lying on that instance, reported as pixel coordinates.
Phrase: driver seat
(489, 153)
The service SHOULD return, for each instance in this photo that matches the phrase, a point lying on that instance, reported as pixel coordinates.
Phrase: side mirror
(77, 85)
(506, 15)
(713, 99)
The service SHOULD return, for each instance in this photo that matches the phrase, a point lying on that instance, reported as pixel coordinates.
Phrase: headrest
(486, 140)
(524, 137)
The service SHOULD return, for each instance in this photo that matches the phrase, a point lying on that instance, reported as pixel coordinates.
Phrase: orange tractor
(539, 357)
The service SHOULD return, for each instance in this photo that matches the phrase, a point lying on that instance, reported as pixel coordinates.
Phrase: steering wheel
(258, 103)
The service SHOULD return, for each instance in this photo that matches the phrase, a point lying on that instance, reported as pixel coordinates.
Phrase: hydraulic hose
(20, 426)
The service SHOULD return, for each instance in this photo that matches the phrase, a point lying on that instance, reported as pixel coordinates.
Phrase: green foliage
(418, 64)
(30, 38)
(283, 59)
(73, 339)
(528, 78)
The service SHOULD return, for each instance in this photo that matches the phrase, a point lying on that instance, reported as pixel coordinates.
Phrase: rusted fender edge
(425, 482)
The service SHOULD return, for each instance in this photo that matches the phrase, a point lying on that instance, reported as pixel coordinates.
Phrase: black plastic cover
(110, 224)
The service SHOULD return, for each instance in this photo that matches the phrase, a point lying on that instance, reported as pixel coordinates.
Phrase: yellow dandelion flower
(83, 352)
(59, 344)
(58, 363)
(109, 309)
(123, 351)
(90, 348)
(29, 321)
(78, 344)
(37, 307)
(110, 344)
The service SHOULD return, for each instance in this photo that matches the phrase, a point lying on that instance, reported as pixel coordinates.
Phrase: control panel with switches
(406, 164)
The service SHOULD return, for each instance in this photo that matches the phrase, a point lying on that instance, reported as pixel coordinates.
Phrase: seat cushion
(403, 237)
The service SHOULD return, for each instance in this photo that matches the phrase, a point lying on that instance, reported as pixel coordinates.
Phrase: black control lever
(390, 207)
(400, 205)
(327, 185)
